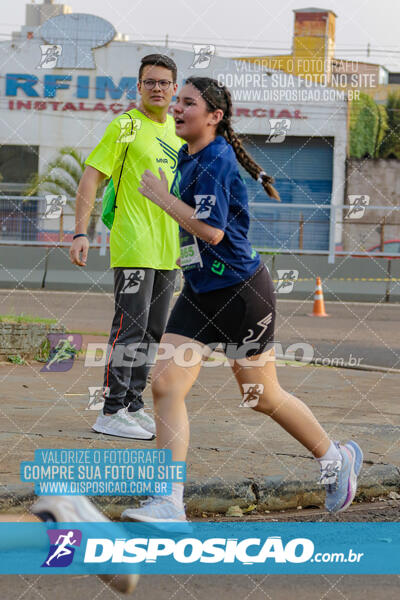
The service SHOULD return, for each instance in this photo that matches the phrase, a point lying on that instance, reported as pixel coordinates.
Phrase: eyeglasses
(150, 84)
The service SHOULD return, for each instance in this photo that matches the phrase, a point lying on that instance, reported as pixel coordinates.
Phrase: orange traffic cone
(319, 306)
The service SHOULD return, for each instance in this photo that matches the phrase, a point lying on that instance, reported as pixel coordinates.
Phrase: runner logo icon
(133, 278)
(202, 56)
(204, 204)
(251, 394)
(128, 129)
(54, 205)
(50, 55)
(357, 206)
(62, 542)
(286, 280)
(96, 397)
(278, 130)
(63, 349)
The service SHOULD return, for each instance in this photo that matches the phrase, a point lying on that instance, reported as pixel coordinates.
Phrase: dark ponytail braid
(216, 97)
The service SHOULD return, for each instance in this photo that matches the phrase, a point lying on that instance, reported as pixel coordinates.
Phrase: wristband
(79, 235)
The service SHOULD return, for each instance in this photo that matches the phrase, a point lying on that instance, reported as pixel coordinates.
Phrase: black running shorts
(240, 317)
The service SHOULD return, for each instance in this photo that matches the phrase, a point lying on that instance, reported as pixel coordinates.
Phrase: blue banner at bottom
(200, 548)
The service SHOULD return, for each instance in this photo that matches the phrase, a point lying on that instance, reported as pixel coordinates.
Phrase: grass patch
(43, 352)
(16, 359)
(25, 319)
(95, 333)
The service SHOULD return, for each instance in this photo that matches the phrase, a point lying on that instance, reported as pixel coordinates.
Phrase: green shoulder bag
(110, 193)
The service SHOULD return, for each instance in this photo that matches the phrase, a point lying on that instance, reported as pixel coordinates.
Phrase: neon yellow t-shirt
(142, 235)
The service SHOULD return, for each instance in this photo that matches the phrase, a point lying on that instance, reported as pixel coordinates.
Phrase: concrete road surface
(201, 587)
(364, 332)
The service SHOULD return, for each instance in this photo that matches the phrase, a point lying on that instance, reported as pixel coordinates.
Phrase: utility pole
(166, 40)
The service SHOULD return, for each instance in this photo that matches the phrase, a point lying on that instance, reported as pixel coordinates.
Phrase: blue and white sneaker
(359, 456)
(340, 479)
(156, 509)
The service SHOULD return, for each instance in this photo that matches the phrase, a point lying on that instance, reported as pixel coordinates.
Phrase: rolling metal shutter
(302, 168)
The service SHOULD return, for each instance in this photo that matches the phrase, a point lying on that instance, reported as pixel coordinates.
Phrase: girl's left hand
(153, 188)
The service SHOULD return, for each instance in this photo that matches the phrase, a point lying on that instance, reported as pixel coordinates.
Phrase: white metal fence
(357, 229)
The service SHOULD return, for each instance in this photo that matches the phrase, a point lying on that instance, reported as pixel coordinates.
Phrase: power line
(243, 44)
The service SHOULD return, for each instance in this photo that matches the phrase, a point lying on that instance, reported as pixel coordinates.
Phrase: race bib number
(190, 252)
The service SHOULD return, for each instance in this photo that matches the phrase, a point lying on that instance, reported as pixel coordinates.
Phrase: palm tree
(62, 176)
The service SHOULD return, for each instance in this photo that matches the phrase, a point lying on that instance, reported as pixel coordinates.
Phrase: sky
(252, 27)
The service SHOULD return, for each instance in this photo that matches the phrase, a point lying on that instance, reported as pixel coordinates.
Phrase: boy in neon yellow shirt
(140, 236)
(144, 244)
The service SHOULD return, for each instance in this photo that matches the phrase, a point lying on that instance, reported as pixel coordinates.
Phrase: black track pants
(142, 299)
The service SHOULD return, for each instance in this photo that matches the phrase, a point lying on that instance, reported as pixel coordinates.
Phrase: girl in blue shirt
(228, 298)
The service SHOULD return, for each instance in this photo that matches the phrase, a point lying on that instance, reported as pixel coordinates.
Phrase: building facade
(313, 55)
(296, 131)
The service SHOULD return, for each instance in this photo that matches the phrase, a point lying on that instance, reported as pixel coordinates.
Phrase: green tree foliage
(368, 127)
(390, 144)
(383, 127)
(62, 176)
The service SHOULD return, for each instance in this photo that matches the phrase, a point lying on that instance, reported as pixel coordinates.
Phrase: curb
(217, 495)
(276, 493)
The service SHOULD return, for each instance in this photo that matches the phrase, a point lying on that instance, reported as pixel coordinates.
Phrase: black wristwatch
(79, 235)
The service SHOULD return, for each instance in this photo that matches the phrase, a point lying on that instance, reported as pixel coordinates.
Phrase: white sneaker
(124, 583)
(121, 424)
(67, 509)
(156, 509)
(144, 419)
(78, 509)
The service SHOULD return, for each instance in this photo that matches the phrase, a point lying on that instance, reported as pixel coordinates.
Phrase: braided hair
(217, 96)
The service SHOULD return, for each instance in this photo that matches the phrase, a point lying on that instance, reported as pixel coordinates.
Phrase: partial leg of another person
(61, 510)
(128, 328)
(133, 290)
(340, 464)
(173, 376)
